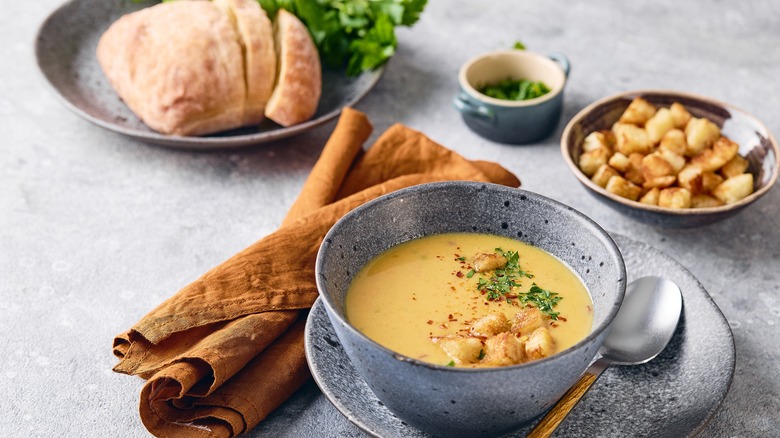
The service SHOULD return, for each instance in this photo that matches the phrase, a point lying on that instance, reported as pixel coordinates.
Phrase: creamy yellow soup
(427, 288)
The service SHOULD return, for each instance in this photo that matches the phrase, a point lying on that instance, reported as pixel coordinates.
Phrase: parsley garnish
(358, 34)
(519, 45)
(451, 363)
(481, 354)
(511, 89)
(544, 299)
(502, 284)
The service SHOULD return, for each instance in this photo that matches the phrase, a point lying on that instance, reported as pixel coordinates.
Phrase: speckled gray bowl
(447, 401)
(756, 143)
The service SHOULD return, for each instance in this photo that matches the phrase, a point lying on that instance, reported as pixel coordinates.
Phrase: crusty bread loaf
(257, 42)
(178, 66)
(194, 67)
(299, 83)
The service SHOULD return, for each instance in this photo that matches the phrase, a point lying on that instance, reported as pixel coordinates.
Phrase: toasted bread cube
(638, 112)
(710, 180)
(735, 166)
(488, 261)
(619, 162)
(705, 201)
(602, 176)
(489, 325)
(539, 344)
(734, 189)
(675, 197)
(634, 171)
(504, 349)
(660, 182)
(710, 160)
(651, 197)
(676, 161)
(700, 134)
(527, 320)
(596, 140)
(654, 165)
(461, 349)
(690, 177)
(658, 125)
(674, 141)
(630, 139)
(591, 161)
(624, 188)
(680, 115)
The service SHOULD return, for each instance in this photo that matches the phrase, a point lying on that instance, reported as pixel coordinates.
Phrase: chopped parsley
(519, 45)
(451, 363)
(515, 89)
(501, 284)
(544, 299)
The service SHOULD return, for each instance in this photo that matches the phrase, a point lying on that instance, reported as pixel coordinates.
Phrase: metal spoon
(640, 331)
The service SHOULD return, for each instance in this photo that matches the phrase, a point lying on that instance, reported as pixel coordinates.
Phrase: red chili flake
(414, 298)
(459, 274)
(430, 321)
(554, 325)
(444, 326)
(562, 319)
(511, 296)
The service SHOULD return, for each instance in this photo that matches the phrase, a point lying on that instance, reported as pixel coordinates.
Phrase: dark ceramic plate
(65, 50)
(755, 142)
(673, 395)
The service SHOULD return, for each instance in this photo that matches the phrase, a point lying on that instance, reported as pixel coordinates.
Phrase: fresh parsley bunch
(358, 34)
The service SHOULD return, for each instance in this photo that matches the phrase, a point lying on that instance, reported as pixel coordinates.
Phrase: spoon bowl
(643, 327)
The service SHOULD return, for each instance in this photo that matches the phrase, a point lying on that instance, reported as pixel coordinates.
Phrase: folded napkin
(226, 350)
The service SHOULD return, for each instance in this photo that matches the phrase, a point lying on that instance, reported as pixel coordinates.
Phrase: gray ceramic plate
(674, 395)
(65, 50)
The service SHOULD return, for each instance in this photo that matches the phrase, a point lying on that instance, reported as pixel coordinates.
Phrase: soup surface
(447, 299)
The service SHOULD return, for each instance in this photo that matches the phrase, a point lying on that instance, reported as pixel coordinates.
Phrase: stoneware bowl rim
(567, 149)
(532, 57)
(592, 335)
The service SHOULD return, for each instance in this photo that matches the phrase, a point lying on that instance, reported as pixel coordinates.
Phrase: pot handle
(462, 104)
(562, 61)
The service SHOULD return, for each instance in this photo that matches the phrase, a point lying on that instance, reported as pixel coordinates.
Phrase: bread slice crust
(299, 85)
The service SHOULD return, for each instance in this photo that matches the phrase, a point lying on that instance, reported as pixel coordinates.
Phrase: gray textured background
(96, 229)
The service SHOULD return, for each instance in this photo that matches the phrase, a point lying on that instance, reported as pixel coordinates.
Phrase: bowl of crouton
(669, 158)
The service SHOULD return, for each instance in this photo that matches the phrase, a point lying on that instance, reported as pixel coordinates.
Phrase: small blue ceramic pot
(462, 402)
(512, 121)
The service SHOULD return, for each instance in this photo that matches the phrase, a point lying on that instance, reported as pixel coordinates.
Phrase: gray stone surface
(96, 229)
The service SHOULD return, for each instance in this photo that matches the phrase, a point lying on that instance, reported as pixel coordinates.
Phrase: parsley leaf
(358, 34)
(502, 284)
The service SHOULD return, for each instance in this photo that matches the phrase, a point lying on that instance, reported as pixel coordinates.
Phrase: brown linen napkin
(226, 350)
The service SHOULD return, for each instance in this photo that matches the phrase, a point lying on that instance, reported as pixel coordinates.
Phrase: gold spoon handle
(547, 425)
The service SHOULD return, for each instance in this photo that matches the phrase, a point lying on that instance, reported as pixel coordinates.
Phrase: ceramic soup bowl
(451, 401)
